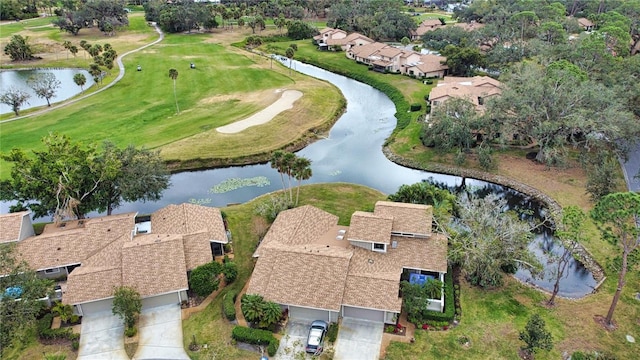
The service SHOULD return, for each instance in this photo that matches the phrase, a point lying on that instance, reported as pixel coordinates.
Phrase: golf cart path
(115, 81)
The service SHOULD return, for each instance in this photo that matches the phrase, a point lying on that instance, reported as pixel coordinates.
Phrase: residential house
(475, 89)
(427, 66)
(586, 24)
(424, 27)
(317, 269)
(330, 39)
(153, 254)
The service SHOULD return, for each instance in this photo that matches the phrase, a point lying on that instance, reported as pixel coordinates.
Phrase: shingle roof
(407, 218)
(298, 226)
(367, 50)
(469, 88)
(368, 227)
(154, 264)
(311, 279)
(91, 284)
(189, 218)
(197, 249)
(75, 242)
(312, 272)
(10, 226)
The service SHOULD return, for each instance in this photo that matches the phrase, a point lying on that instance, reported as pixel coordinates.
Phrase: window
(379, 247)
(52, 271)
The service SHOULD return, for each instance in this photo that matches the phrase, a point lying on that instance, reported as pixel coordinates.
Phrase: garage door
(364, 314)
(296, 312)
(160, 300)
(96, 307)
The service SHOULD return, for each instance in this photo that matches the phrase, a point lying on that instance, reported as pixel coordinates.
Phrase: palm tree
(80, 80)
(289, 53)
(252, 306)
(301, 171)
(276, 163)
(271, 314)
(173, 74)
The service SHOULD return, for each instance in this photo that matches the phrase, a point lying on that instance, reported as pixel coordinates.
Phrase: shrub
(228, 305)
(256, 337)
(75, 345)
(416, 107)
(45, 331)
(429, 82)
(131, 332)
(204, 279)
(332, 333)
(230, 271)
(449, 304)
(460, 158)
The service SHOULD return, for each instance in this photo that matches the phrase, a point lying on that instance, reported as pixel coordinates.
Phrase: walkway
(115, 81)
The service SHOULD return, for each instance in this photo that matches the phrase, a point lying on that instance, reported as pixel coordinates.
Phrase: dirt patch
(602, 321)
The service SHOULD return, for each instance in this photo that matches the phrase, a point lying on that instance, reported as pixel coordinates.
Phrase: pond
(67, 89)
(350, 153)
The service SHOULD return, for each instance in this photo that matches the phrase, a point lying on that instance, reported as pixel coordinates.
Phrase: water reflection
(67, 89)
(351, 153)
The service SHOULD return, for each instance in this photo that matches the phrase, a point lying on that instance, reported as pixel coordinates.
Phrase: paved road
(632, 167)
(115, 81)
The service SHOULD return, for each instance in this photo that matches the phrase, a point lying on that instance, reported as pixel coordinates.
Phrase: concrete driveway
(160, 334)
(294, 340)
(102, 337)
(358, 340)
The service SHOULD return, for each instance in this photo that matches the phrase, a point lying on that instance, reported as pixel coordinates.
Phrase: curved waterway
(352, 153)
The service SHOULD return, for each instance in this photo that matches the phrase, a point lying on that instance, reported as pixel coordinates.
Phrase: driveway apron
(102, 337)
(294, 339)
(358, 340)
(160, 334)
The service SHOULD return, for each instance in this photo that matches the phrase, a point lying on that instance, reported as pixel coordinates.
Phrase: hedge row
(256, 337)
(45, 331)
(228, 305)
(449, 304)
(402, 106)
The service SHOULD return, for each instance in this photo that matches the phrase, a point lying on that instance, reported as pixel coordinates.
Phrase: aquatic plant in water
(238, 183)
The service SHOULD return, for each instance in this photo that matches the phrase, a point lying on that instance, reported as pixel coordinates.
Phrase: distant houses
(475, 89)
(382, 57)
(424, 27)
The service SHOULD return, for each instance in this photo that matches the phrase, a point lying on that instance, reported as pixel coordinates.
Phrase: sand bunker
(264, 116)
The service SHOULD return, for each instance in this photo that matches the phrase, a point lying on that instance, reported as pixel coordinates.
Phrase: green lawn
(226, 85)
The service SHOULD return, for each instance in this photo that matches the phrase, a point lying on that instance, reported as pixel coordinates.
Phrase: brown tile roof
(368, 227)
(365, 51)
(374, 278)
(309, 279)
(407, 218)
(468, 88)
(585, 22)
(197, 249)
(187, 219)
(430, 63)
(389, 52)
(91, 284)
(74, 242)
(10, 226)
(373, 293)
(312, 272)
(299, 226)
(154, 264)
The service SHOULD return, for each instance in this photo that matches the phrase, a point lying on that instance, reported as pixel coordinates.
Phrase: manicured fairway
(227, 85)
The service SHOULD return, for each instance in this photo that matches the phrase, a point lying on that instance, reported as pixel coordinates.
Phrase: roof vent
(339, 237)
(394, 244)
(342, 231)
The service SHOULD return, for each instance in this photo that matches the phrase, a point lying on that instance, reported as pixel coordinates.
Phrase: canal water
(350, 153)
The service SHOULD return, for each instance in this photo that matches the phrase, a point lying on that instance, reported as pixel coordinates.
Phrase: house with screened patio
(319, 270)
